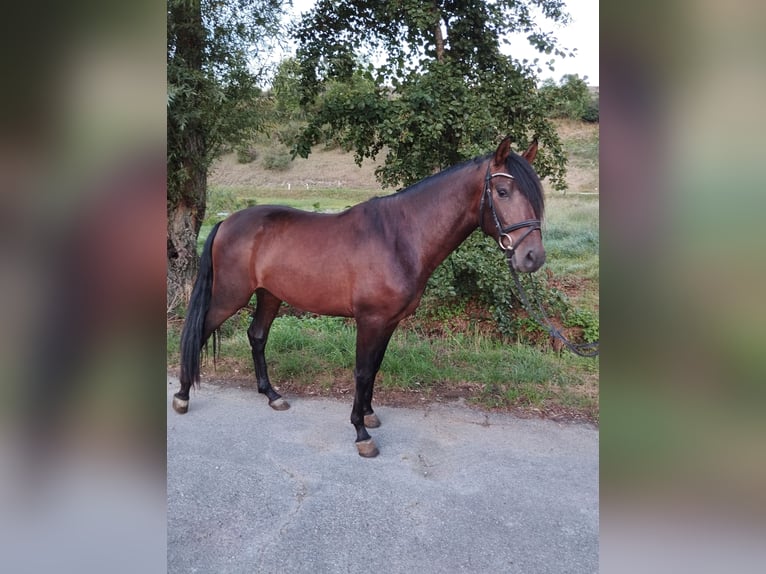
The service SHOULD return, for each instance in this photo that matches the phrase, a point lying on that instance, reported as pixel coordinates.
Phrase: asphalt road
(454, 489)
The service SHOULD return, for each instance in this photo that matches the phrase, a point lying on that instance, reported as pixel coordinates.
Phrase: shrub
(587, 321)
(277, 160)
(287, 133)
(246, 153)
(570, 99)
(478, 271)
(224, 200)
(590, 114)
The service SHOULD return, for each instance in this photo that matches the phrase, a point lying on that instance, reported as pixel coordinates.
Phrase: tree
(286, 89)
(445, 91)
(213, 99)
(571, 98)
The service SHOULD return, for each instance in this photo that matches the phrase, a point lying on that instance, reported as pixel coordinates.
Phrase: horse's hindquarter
(325, 264)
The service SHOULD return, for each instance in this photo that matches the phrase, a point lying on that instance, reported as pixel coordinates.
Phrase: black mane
(528, 182)
(526, 178)
(444, 173)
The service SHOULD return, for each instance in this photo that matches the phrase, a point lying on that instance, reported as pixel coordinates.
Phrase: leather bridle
(503, 232)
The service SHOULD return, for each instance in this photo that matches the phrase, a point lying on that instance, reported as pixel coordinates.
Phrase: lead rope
(543, 320)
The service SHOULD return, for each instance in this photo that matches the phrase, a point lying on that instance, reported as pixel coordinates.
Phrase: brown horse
(370, 262)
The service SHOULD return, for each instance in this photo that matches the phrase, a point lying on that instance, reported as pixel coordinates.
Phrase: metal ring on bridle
(500, 241)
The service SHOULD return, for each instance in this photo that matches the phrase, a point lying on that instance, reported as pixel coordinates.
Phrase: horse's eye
(502, 192)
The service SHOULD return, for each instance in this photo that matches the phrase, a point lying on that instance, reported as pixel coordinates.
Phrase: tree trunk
(184, 221)
(439, 37)
(187, 160)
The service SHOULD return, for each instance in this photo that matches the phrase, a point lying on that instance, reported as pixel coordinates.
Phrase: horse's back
(310, 260)
(330, 264)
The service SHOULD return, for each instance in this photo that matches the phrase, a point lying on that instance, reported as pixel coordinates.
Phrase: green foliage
(287, 133)
(590, 114)
(439, 98)
(222, 200)
(286, 91)
(276, 159)
(246, 153)
(587, 320)
(213, 93)
(571, 98)
(478, 271)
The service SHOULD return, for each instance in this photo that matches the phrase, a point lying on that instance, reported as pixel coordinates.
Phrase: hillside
(336, 169)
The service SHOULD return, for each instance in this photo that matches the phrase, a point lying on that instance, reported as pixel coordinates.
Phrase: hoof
(279, 404)
(180, 406)
(371, 421)
(367, 448)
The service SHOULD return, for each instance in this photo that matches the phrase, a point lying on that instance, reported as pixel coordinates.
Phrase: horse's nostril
(534, 258)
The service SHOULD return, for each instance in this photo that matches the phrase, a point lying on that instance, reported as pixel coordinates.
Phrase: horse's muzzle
(527, 259)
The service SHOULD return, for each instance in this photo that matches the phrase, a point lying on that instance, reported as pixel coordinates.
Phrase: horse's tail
(192, 336)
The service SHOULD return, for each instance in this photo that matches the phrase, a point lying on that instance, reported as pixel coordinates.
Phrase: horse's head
(512, 206)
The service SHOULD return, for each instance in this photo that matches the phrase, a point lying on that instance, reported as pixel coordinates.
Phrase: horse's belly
(321, 291)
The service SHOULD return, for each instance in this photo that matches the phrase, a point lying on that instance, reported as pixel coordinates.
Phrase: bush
(287, 133)
(590, 114)
(589, 322)
(224, 200)
(277, 160)
(570, 99)
(477, 271)
(246, 153)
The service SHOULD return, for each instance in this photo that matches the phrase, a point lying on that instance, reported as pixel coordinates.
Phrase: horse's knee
(356, 419)
(258, 344)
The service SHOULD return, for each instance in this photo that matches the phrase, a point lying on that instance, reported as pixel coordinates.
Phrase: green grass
(571, 236)
(307, 350)
(228, 199)
(583, 151)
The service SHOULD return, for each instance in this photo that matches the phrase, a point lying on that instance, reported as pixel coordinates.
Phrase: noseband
(503, 232)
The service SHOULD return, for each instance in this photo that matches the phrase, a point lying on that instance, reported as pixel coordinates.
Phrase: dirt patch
(465, 393)
(322, 169)
(574, 287)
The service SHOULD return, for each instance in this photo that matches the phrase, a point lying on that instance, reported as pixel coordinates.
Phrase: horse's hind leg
(223, 304)
(214, 319)
(258, 334)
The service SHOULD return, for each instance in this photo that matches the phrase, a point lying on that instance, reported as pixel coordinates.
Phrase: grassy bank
(315, 355)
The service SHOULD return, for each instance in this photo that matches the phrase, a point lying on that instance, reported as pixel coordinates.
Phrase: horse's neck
(443, 214)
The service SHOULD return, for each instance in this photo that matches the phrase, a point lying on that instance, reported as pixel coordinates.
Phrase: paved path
(454, 489)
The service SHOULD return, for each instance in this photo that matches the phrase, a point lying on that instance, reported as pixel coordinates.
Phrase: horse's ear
(502, 152)
(531, 152)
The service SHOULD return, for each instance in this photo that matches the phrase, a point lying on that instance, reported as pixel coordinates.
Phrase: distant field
(332, 174)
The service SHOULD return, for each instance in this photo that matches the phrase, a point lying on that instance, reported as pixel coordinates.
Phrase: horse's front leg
(371, 342)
